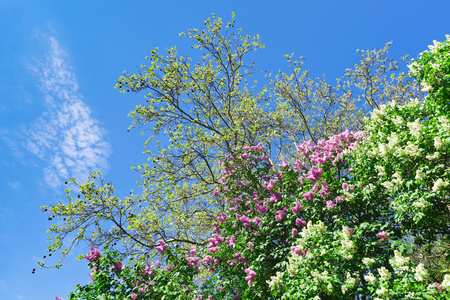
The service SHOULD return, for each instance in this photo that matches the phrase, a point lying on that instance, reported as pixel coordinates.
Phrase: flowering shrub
(330, 225)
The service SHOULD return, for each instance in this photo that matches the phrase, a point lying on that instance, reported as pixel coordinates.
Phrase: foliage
(332, 224)
(207, 109)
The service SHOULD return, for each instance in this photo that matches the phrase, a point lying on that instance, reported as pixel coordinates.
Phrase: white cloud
(66, 137)
(15, 185)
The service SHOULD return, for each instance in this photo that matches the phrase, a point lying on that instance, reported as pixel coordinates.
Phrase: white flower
(435, 46)
(313, 229)
(383, 292)
(368, 261)
(393, 141)
(399, 263)
(398, 178)
(381, 171)
(378, 113)
(415, 128)
(371, 279)
(388, 185)
(434, 156)
(421, 203)
(421, 272)
(330, 288)
(439, 184)
(316, 298)
(384, 149)
(398, 120)
(411, 150)
(446, 282)
(425, 87)
(413, 68)
(438, 143)
(444, 123)
(384, 273)
(275, 280)
(419, 175)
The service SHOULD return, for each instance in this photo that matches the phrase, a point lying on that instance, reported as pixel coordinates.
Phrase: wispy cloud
(66, 137)
(14, 184)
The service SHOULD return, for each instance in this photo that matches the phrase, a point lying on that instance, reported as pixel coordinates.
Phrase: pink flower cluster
(382, 235)
(95, 254)
(251, 276)
(162, 248)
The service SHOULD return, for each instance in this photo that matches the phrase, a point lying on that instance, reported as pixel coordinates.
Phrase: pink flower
(220, 288)
(300, 223)
(133, 296)
(308, 195)
(297, 208)
(251, 276)
(382, 235)
(350, 230)
(294, 231)
(324, 194)
(207, 259)
(95, 254)
(250, 244)
(57, 298)
(296, 250)
(437, 285)
(271, 185)
(163, 248)
(193, 250)
(344, 186)
(118, 266)
(330, 205)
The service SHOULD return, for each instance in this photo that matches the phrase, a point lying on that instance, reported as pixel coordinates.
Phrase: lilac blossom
(95, 254)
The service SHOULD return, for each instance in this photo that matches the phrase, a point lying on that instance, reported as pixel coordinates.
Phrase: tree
(207, 108)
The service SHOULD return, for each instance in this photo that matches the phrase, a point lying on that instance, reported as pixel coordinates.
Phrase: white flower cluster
(370, 278)
(389, 186)
(411, 150)
(414, 67)
(384, 150)
(320, 277)
(421, 203)
(384, 273)
(399, 262)
(368, 261)
(444, 123)
(439, 184)
(349, 247)
(295, 261)
(415, 128)
(275, 280)
(446, 282)
(393, 140)
(438, 143)
(313, 229)
(434, 156)
(398, 178)
(421, 273)
(349, 283)
(398, 120)
(381, 171)
(419, 175)
(383, 292)
(378, 113)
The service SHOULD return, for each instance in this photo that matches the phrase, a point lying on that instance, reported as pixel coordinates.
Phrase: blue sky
(60, 115)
